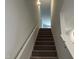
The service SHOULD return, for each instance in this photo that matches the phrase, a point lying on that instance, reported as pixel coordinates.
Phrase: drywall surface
(67, 24)
(62, 28)
(27, 49)
(21, 19)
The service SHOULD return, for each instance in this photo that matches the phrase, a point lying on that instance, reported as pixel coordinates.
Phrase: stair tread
(45, 37)
(44, 50)
(46, 54)
(44, 47)
(42, 57)
(49, 39)
(44, 43)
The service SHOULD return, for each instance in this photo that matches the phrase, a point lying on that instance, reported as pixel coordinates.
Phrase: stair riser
(45, 30)
(45, 33)
(42, 54)
(44, 40)
(43, 58)
(44, 43)
(45, 48)
(45, 36)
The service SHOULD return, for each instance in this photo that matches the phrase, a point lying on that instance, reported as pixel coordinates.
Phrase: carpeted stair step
(44, 47)
(47, 53)
(44, 39)
(44, 36)
(43, 57)
(44, 43)
(44, 33)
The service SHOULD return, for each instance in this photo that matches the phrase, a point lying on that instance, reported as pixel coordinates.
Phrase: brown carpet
(44, 47)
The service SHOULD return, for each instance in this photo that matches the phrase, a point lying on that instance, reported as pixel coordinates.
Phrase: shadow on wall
(61, 46)
(56, 15)
(62, 49)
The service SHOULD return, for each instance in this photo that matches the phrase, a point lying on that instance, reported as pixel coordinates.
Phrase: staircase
(44, 46)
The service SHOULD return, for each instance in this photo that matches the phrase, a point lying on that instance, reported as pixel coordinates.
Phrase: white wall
(67, 24)
(62, 27)
(21, 19)
(27, 49)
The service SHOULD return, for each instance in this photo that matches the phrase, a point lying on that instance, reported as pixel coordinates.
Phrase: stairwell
(44, 47)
